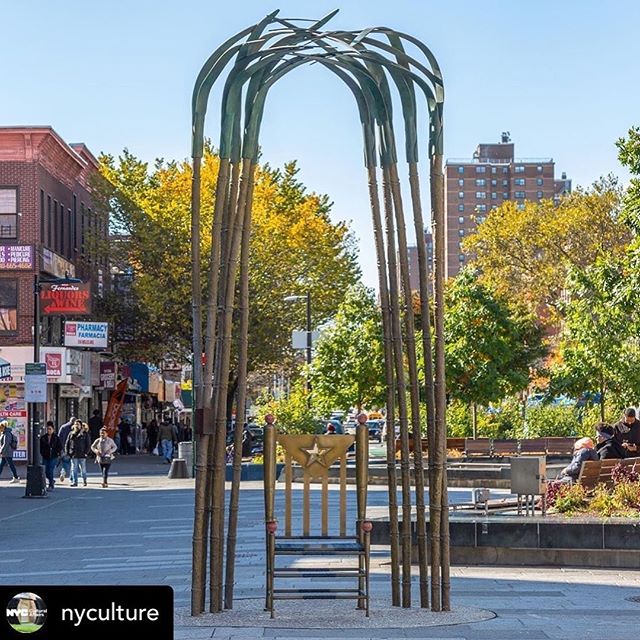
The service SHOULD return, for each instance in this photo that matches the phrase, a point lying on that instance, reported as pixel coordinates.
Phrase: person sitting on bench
(607, 446)
(583, 450)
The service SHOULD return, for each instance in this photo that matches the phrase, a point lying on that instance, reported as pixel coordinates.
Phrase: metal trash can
(185, 451)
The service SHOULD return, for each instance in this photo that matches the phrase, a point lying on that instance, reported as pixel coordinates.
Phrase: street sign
(299, 339)
(35, 382)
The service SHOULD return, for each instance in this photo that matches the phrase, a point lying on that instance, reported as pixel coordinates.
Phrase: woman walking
(104, 448)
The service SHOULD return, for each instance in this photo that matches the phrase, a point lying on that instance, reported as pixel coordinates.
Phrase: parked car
(336, 423)
(350, 427)
(375, 430)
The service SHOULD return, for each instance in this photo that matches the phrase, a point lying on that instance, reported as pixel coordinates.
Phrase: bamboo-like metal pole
(240, 406)
(414, 394)
(400, 388)
(392, 477)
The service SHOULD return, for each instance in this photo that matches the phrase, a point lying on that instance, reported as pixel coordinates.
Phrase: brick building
(493, 175)
(48, 226)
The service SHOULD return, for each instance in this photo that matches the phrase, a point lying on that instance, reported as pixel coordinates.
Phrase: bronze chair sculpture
(315, 454)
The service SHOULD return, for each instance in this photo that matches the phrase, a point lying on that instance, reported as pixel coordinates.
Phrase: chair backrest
(606, 469)
(314, 455)
(477, 447)
(589, 473)
(560, 446)
(505, 447)
(533, 446)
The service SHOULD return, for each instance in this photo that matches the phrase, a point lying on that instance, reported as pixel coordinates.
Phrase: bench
(533, 447)
(477, 447)
(594, 472)
(560, 446)
(504, 448)
(456, 444)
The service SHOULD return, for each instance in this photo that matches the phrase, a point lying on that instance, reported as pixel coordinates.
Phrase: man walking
(166, 436)
(63, 435)
(95, 424)
(77, 448)
(50, 450)
(8, 444)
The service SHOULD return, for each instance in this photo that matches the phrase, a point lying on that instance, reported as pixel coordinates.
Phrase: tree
(348, 365)
(524, 254)
(489, 345)
(629, 155)
(294, 246)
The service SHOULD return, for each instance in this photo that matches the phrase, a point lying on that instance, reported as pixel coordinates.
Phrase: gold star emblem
(315, 454)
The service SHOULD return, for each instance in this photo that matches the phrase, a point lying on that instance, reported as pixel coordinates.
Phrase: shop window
(8, 305)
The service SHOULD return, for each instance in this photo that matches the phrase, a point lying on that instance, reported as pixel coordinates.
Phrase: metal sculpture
(373, 63)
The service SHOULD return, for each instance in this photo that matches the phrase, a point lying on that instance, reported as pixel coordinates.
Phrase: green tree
(489, 346)
(348, 364)
(294, 246)
(629, 156)
(291, 412)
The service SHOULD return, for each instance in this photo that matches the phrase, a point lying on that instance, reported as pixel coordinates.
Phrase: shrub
(572, 499)
(603, 502)
(621, 474)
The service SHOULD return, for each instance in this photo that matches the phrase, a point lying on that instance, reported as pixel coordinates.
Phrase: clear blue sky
(560, 75)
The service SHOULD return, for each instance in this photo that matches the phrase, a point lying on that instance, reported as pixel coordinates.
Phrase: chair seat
(314, 546)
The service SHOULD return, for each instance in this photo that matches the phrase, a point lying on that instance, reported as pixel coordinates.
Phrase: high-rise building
(493, 175)
(414, 271)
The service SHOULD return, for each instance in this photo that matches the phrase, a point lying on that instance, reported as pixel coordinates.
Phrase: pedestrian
(166, 437)
(65, 461)
(95, 424)
(125, 437)
(77, 447)
(607, 446)
(8, 444)
(627, 432)
(247, 442)
(50, 450)
(104, 448)
(152, 435)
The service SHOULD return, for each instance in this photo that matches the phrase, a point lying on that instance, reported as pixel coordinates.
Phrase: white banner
(86, 334)
(35, 382)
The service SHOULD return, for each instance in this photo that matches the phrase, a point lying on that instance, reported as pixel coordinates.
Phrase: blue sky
(561, 76)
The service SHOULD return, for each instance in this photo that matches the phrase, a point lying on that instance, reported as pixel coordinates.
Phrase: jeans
(12, 466)
(78, 464)
(105, 471)
(50, 469)
(167, 449)
(65, 464)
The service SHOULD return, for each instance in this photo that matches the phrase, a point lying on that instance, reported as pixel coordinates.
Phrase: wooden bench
(457, 444)
(477, 447)
(560, 446)
(504, 448)
(533, 447)
(594, 472)
(589, 474)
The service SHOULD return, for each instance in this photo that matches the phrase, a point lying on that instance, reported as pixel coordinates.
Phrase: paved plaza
(142, 525)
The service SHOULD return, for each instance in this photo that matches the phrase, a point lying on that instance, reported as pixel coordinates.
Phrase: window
(461, 257)
(539, 168)
(481, 182)
(521, 207)
(519, 195)
(481, 195)
(460, 194)
(460, 232)
(8, 306)
(539, 194)
(460, 169)
(481, 169)
(494, 196)
(482, 208)
(62, 229)
(494, 169)
(505, 183)
(461, 182)
(49, 221)
(9, 212)
(74, 224)
(460, 207)
(494, 183)
(505, 169)
(519, 182)
(519, 168)
(505, 195)
(461, 220)
(54, 239)
(539, 181)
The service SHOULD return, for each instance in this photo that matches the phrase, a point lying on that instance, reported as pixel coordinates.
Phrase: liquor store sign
(68, 299)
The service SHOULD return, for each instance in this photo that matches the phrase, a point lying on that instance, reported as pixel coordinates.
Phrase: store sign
(16, 257)
(5, 369)
(108, 375)
(69, 391)
(13, 409)
(53, 362)
(56, 265)
(35, 382)
(93, 335)
(69, 299)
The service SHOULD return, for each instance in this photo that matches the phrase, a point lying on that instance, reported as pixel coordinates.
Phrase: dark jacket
(95, 424)
(50, 447)
(78, 444)
(63, 435)
(7, 440)
(573, 468)
(629, 432)
(611, 448)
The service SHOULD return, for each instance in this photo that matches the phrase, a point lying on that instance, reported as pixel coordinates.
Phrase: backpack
(13, 442)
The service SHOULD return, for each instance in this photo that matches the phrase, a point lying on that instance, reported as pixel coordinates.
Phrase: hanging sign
(86, 334)
(35, 382)
(68, 299)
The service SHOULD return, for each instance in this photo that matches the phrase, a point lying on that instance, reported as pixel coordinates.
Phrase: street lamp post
(306, 297)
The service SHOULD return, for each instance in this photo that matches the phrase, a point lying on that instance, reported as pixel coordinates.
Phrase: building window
(460, 207)
(49, 221)
(519, 195)
(8, 305)
(519, 168)
(460, 194)
(521, 207)
(461, 220)
(461, 257)
(481, 182)
(74, 224)
(460, 169)
(494, 196)
(539, 194)
(481, 208)
(481, 195)
(505, 195)
(519, 182)
(494, 183)
(494, 169)
(505, 183)
(481, 169)
(539, 181)
(9, 212)
(461, 182)
(42, 216)
(62, 229)
(539, 168)
(505, 169)
(460, 232)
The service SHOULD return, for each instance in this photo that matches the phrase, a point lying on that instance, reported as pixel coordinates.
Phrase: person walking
(125, 437)
(8, 444)
(50, 450)
(95, 424)
(152, 435)
(65, 460)
(77, 447)
(104, 448)
(166, 438)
